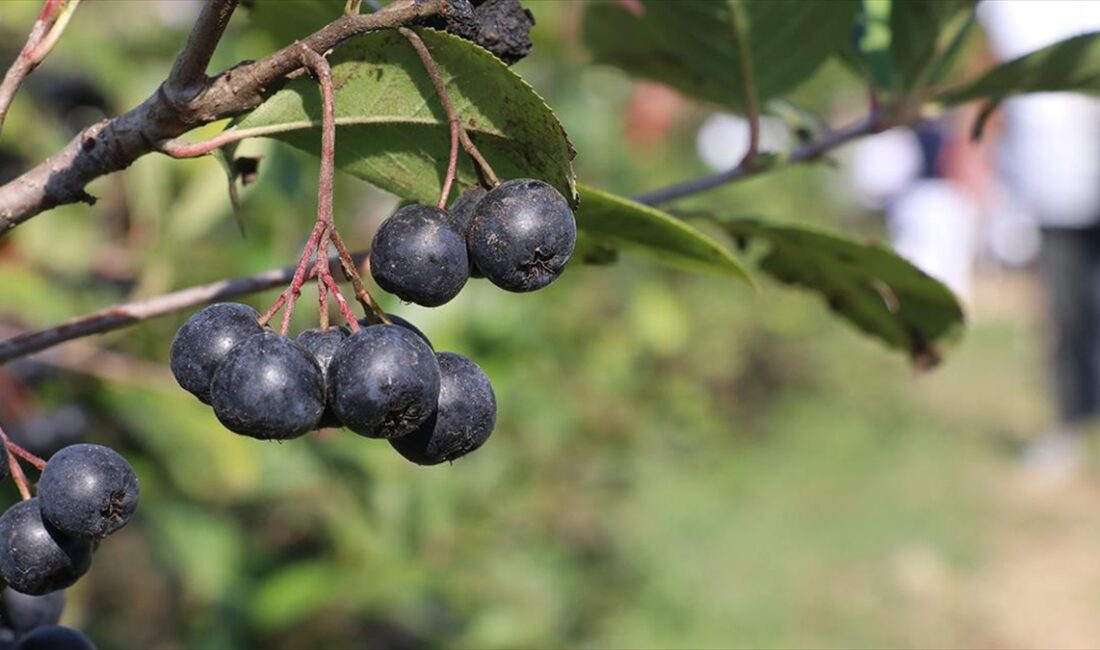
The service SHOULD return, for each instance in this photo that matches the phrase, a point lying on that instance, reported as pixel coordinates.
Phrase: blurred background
(678, 462)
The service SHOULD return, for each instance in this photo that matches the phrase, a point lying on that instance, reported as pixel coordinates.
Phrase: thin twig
(748, 82)
(47, 28)
(807, 152)
(124, 315)
(188, 75)
(448, 107)
(87, 359)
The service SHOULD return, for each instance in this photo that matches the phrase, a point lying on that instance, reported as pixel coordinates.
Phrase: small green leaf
(866, 283)
(1072, 64)
(690, 44)
(392, 128)
(617, 222)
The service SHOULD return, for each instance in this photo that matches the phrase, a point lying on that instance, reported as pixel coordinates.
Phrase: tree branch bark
(119, 316)
(114, 144)
(188, 75)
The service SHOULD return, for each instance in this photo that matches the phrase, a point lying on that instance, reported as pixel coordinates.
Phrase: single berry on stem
(270, 388)
(88, 491)
(417, 256)
(35, 557)
(522, 235)
(385, 382)
(464, 417)
(205, 340)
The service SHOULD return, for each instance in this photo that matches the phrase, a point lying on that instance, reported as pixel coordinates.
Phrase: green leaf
(617, 222)
(919, 32)
(1072, 64)
(690, 44)
(286, 21)
(870, 50)
(393, 130)
(866, 283)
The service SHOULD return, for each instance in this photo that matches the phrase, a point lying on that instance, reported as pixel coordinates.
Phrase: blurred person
(1050, 163)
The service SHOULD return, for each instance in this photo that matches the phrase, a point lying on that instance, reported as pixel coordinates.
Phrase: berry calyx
(463, 420)
(88, 491)
(35, 557)
(417, 256)
(204, 342)
(522, 235)
(270, 388)
(385, 382)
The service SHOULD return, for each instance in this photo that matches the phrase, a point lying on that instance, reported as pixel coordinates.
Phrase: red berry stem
(452, 166)
(38, 463)
(370, 306)
(322, 288)
(448, 106)
(17, 475)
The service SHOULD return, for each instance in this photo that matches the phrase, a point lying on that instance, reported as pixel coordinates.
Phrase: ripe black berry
(460, 214)
(88, 491)
(385, 382)
(55, 637)
(462, 210)
(22, 613)
(270, 388)
(417, 256)
(401, 322)
(323, 344)
(5, 469)
(522, 235)
(205, 340)
(464, 418)
(35, 557)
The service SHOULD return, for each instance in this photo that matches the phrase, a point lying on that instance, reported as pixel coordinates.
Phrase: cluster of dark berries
(519, 235)
(383, 381)
(85, 493)
(30, 623)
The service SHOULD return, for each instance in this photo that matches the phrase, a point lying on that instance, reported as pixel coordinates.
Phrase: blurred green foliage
(678, 462)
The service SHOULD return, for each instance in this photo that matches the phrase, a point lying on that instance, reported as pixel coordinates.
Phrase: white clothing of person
(1050, 145)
